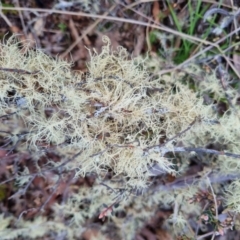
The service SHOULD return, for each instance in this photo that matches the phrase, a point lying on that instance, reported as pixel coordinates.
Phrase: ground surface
(170, 30)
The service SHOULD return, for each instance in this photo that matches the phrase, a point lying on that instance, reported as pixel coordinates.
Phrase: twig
(205, 235)
(202, 150)
(44, 171)
(6, 115)
(5, 18)
(110, 18)
(164, 150)
(214, 198)
(213, 236)
(111, 146)
(182, 132)
(44, 204)
(23, 191)
(84, 34)
(21, 18)
(109, 188)
(50, 196)
(20, 71)
(108, 209)
(190, 180)
(69, 160)
(176, 136)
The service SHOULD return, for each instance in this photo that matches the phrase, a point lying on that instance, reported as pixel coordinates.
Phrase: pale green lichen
(112, 119)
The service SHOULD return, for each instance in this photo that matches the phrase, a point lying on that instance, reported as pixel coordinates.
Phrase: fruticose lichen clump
(114, 117)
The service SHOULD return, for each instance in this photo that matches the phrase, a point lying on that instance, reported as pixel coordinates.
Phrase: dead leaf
(39, 26)
(236, 61)
(156, 11)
